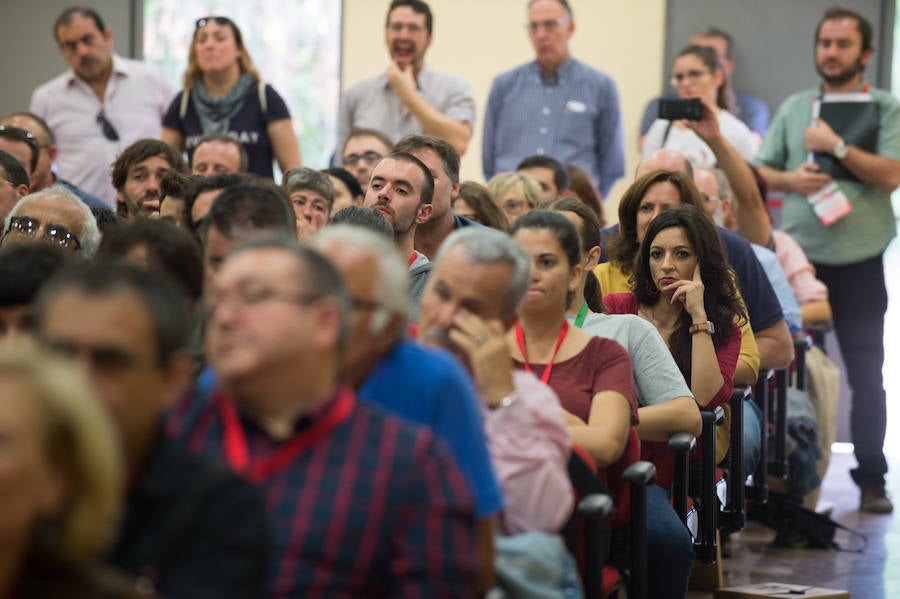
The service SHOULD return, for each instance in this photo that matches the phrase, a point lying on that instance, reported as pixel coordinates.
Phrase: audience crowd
(357, 383)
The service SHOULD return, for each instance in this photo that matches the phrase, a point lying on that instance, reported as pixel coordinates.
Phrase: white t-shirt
(687, 142)
(656, 376)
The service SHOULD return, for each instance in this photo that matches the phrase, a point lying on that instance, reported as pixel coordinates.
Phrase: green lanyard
(582, 314)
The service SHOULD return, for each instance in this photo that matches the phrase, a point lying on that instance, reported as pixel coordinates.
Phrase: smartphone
(673, 110)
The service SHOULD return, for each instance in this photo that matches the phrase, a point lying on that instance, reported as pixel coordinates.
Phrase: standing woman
(591, 375)
(683, 287)
(223, 93)
(697, 73)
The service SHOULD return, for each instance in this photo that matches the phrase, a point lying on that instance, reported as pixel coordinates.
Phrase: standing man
(848, 254)
(408, 97)
(101, 104)
(554, 106)
(401, 189)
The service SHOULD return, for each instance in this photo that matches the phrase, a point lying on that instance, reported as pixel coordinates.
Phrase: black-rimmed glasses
(109, 132)
(27, 227)
(369, 157)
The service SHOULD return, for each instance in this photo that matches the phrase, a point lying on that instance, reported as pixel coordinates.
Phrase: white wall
(478, 39)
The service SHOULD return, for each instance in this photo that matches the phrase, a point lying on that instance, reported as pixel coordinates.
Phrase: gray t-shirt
(656, 376)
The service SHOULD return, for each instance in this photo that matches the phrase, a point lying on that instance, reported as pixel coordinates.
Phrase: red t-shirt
(603, 365)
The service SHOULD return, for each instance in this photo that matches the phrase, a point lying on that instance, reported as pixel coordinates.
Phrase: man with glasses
(101, 104)
(361, 504)
(13, 183)
(56, 216)
(362, 151)
(554, 106)
(43, 175)
(409, 97)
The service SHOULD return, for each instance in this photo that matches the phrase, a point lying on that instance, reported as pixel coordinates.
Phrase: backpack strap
(261, 90)
(182, 109)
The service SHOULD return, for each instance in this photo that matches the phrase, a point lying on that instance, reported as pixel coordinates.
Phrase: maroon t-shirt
(603, 365)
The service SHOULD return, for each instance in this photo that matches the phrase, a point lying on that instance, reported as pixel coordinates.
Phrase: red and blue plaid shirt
(374, 507)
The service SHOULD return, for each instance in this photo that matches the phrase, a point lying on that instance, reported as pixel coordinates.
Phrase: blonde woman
(515, 194)
(60, 481)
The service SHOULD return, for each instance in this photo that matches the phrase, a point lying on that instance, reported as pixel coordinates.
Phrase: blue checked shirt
(573, 117)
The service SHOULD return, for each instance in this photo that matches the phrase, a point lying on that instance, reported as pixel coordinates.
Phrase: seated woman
(697, 73)
(591, 375)
(666, 404)
(515, 194)
(683, 286)
(475, 203)
(223, 93)
(60, 482)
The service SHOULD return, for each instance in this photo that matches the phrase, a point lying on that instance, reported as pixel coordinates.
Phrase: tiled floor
(873, 574)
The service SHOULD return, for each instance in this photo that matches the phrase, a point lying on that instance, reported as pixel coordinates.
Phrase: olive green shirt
(863, 233)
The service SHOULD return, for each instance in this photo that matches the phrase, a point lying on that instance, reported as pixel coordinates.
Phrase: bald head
(665, 160)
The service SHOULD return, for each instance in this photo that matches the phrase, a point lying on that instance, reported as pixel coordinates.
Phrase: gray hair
(392, 287)
(90, 232)
(489, 246)
(306, 178)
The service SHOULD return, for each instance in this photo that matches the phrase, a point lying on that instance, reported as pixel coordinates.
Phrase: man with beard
(137, 172)
(848, 253)
(401, 188)
(103, 103)
(408, 97)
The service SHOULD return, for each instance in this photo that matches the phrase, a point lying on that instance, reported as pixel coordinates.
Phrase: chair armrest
(682, 443)
(643, 473)
(596, 506)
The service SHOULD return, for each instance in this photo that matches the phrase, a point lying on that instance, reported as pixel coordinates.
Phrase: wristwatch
(840, 150)
(703, 327)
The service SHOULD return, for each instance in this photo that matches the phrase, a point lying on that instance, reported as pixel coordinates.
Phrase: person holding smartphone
(697, 75)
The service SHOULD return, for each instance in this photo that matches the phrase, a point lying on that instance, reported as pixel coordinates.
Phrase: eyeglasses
(550, 25)
(513, 206)
(109, 132)
(202, 22)
(27, 227)
(369, 157)
(17, 134)
(691, 75)
(246, 297)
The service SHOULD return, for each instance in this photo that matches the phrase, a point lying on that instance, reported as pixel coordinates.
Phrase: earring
(652, 290)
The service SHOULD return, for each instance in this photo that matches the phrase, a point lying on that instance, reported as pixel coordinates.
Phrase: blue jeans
(753, 438)
(670, 549)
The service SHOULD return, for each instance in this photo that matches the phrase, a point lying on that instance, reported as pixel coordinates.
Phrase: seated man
(24, 268)
(391, 514)
(362, 151)
(401, 189)
(199, 196)
(423, 385)
(550, 174)
(43, 175)
(56, 216)
(217, 154)
(137, 172)
(13, 183)
(311, 195)
(190, 529)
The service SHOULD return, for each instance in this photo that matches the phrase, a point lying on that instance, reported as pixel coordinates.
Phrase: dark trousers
(858, 299)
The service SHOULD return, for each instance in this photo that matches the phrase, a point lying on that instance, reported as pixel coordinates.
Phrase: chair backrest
(621, 490)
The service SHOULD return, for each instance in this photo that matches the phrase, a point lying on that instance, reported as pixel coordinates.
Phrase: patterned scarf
(215, 114)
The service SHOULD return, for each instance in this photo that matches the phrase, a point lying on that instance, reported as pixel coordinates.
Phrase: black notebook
(857, 122)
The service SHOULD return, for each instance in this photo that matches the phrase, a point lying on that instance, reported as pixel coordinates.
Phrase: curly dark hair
(721, 297)
(623, 248)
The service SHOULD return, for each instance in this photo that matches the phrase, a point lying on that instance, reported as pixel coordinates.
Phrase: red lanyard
(412, 258)
(520, 339)
(235, 440)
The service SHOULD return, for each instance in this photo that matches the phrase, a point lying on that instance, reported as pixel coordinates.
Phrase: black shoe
(874, 499)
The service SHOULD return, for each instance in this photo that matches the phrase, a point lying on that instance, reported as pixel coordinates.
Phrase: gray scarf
(215, 114)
